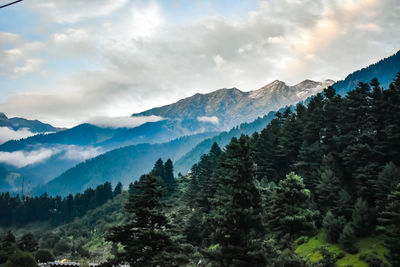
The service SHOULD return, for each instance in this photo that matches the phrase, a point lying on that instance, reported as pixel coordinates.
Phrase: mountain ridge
(35, 126)
(233, 106)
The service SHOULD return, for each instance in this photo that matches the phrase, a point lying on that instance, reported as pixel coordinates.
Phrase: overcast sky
(69, 61)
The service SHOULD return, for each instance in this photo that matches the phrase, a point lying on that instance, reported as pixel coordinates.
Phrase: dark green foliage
(117, 189)
(44, 256)
(236, 209)
(289, 214)
(21, 259)
(20, 211)
(288, 259)
(145, 238)
(389, 221)
(387, 180)
(348, 238)
(327, 189)
(8, 247)
(61, 247)
(362, 218)
(28, 243)
(333, 226)
(328, 258)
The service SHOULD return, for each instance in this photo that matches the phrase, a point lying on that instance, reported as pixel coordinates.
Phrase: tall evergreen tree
(169, 179)
(145, 238)
(387, 181)
(327, 191)
(236, 208)
(389, 221)
(289, 214)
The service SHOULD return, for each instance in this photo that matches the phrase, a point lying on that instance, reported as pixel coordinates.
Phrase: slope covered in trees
(329, 169)
(327, 165)
(120, 165)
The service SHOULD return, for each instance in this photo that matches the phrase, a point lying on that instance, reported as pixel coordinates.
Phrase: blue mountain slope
(385, 70)
(120, 165)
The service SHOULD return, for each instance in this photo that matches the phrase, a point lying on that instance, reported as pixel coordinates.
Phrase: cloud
(30, 65)
(212, 119)
(136, 56)
(79, 153)
(123, 122)
(23, 158)
(65, 11)
(10, 134)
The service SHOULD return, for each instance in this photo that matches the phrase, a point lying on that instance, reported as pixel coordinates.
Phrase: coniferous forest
(319, 186)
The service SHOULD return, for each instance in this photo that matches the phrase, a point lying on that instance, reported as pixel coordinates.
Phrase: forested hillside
(124, 165)
(329, 167)
(319, 186)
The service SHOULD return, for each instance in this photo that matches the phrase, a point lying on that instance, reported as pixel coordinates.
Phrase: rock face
(229, 107)
(34, 126)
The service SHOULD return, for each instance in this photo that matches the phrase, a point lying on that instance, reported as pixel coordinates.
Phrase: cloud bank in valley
(23, 158)
(123, 122)
(114, 58)
(212, 119)
(7, 134)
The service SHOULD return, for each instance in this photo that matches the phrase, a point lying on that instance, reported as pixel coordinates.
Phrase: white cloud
(212, 119)
(66, 11)
(10, 134)
(80, 153)
(30, 65)
(145, 21)
(123, 122)
(142, 59)
(23, 158)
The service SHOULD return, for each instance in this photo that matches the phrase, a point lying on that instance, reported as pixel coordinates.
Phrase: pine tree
(145, 238)
(265, 151)
(389, 223)
(169, 179)
(158, 169)
(348, 238)
(236, 209)
(362, 218)
(387, 180)
(117, 189)
(333, 226)
(327, 191)
(289, 214)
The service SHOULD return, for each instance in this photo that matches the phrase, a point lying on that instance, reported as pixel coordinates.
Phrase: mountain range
(230, 107)
(33, 126)
(83, 156)
(53, 154)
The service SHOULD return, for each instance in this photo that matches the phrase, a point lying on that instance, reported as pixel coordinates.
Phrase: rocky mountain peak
(3, 116)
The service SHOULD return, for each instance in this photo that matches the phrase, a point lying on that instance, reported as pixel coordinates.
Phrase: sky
(66, 62)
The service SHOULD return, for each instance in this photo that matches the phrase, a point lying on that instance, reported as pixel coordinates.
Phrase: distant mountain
(33, 126)
(120, 165)
(385, 70)
(40, 158)
(185, 163)
(229, 107)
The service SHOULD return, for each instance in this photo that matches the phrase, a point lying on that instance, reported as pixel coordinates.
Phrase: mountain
(230, 107)
(124, 165)
(40, 158)
(385, 70)
(33, 126)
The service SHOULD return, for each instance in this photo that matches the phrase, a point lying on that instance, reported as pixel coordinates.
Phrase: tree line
(17, 210)
(331, 164)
